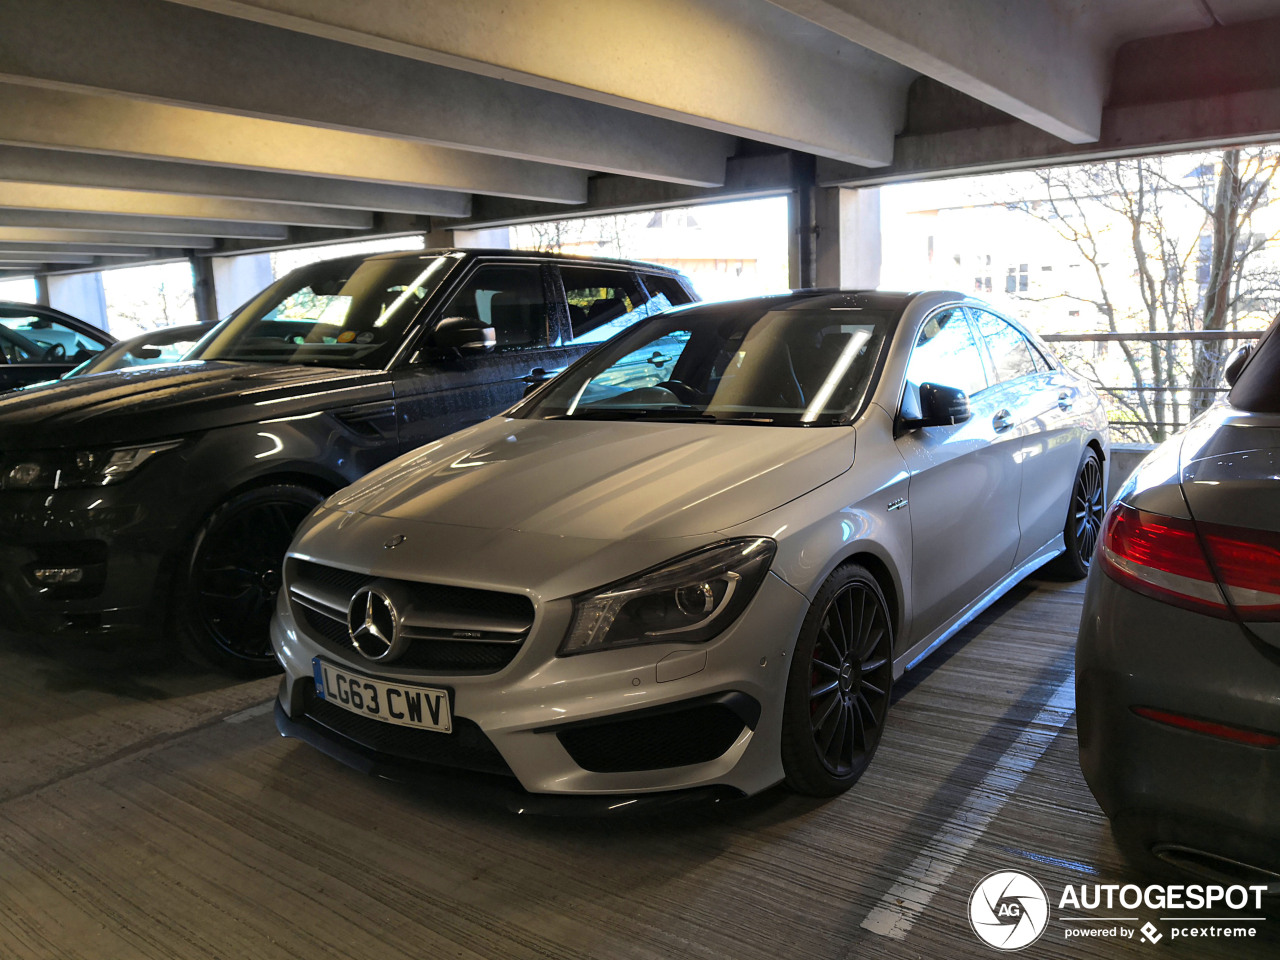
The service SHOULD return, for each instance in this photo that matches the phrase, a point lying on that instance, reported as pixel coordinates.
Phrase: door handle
(1002, 421)
(536, 375)
(1066, 399)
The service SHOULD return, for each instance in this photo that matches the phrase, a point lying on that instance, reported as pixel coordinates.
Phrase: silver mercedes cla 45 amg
(698, 559)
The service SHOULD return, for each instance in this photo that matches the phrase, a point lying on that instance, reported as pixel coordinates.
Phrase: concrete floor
(149, 811)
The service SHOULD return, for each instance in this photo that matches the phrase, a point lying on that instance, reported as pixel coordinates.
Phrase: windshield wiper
(659, 415)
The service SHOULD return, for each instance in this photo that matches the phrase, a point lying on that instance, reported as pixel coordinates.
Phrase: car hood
(146, 403)
(602, 480)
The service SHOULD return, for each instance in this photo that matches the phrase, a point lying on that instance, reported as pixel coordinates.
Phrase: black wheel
(1084, 520)
(839, 685)
(232, 577)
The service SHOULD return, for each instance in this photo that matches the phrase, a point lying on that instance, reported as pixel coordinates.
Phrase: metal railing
(1121, 414)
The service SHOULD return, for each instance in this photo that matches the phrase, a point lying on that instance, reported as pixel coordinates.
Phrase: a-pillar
(81, 295)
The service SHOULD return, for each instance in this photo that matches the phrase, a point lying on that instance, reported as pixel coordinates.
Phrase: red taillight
(1247, 563)
(1253, 738)
(1164, 557)
(1160, 557)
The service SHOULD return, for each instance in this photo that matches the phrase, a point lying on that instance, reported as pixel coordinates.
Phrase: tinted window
(341, 313)
(510, 299)
(31, 338)
(604, 302)
(1258, 386)
(946, 354)
(1011, 354)
(741, 363)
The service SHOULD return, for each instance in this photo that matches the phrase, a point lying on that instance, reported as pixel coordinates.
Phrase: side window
(510, 299)
(666, 288)
(647, 367)
(603, 302)
(1011, 354)
(945, 353)
(35, 339)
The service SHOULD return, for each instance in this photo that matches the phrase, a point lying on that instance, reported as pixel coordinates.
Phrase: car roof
(476, 252)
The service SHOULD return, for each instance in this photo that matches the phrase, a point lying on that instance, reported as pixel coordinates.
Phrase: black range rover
(163, 498)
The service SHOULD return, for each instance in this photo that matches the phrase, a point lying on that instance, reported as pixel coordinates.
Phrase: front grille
(466, 748)
(452, 629)
(696, 734)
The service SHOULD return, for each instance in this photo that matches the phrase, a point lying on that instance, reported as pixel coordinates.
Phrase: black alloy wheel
(839, 685)
(235, 574)
(1084, 520)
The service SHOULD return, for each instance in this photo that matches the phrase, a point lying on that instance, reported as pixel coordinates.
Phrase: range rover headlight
(63, 469)
(689, 600)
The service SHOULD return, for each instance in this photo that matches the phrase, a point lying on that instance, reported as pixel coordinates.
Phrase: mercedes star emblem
(374, 625)
(394, 542)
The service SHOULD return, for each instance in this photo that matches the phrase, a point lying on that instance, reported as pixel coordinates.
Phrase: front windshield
(336, 313)
(796, 365)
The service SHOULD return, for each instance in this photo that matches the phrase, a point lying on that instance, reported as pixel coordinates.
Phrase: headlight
(60, 469)
(689, 600)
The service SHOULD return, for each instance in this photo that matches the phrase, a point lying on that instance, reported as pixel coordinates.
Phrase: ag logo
(1008, 910)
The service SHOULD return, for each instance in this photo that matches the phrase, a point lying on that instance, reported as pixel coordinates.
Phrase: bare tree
(1192, 258)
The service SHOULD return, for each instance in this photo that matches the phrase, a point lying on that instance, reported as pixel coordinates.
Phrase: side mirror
(463, 334)
(1236, 362)
(940, 407)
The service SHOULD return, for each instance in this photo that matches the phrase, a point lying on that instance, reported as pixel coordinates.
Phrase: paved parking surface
(149, 811)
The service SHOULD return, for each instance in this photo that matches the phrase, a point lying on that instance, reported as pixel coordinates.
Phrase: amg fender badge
(898, 504)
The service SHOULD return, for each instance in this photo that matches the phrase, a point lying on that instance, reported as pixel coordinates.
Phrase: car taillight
(1164, 558)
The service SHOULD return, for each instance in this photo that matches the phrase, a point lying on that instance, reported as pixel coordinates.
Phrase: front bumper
(532, 714)
(117, 536)
(1175, 786)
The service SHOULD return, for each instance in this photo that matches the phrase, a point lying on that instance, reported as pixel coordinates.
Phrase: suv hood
(602, 480)
(166, 400)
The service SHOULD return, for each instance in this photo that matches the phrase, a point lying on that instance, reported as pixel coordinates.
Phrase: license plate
(404, 704)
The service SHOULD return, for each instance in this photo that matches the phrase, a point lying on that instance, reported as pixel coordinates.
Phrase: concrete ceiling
(133, 130)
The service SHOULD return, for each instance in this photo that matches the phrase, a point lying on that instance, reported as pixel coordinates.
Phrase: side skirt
(906, 661)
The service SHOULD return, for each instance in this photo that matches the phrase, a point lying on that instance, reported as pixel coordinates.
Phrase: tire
(839, 685)
(1085, 509)
(228, 584)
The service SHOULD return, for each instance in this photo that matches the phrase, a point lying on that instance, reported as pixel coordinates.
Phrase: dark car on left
(40, 343)
(159, 500)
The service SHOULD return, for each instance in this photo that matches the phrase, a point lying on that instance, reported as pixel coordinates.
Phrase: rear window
(1258, 387)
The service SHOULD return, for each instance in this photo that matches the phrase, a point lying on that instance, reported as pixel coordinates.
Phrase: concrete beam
(747, 69)
(132, 203)
(47, 249)
(174, 226)
(47, 235)
(1219, 87)
(31, 165)
(195, 58)
(35, 117)
(19, 259)
(746, 178)
(1034, 61)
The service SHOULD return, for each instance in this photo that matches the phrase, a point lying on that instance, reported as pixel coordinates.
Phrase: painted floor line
(257, 710)
(902, 905)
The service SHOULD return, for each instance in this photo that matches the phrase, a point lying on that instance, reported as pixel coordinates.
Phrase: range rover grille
(451, 629)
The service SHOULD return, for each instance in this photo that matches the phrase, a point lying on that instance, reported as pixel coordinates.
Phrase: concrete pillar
(42, 289)
(847, 250)
(81, 295)
(494, 238)
(237, 279)
(202, 290)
